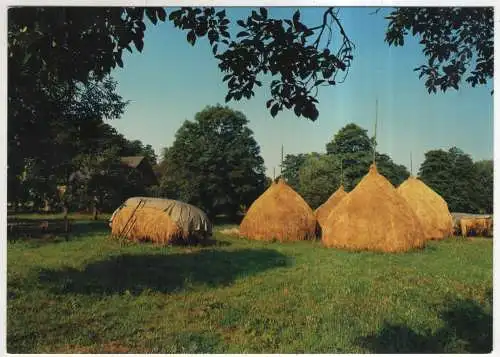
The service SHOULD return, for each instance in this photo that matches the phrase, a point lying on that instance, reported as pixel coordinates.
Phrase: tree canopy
(214, 162)
(466, 186)
(74, 44)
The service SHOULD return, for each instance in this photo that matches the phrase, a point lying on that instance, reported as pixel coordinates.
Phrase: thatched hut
(373, 216)
(323, 211)
(431, 208)
(279, 213)
(160, 220)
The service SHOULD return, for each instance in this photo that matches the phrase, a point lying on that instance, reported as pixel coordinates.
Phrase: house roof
(132, 161)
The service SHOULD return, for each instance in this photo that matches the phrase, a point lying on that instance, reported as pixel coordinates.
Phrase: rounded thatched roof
(323, 211)
(374, 217)
(279, 213)
(431, 208)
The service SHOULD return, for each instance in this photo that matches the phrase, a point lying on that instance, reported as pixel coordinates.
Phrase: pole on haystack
(274, 173)
(375, 131)
(411, 165)
(281, 165)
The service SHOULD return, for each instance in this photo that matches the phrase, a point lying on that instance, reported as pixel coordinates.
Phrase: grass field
(95, 295)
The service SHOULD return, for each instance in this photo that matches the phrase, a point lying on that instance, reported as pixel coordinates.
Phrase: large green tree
(319, 177)
(290, 168)
(354, 147)
(453, 175)
(214, 162)
(484, 185)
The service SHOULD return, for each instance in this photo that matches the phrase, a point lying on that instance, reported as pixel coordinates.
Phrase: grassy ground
(91, 294)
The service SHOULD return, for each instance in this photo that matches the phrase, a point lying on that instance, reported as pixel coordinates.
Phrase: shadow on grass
(468, 329)
(54, 233)
(162, 273)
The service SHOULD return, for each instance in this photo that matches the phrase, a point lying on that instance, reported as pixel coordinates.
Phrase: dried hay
(279, 213)
(230, 231)
(431, 208)
(150, 224)
(476, 226)
(373, 217)
(323, 211)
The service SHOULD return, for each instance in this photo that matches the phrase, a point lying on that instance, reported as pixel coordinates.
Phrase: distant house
(141, 163)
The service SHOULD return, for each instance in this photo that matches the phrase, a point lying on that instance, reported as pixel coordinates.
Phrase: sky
(171, 81)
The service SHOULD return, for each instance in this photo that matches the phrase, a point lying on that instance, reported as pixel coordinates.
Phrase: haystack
(159, 220)
(323, 211)
(279, 213)
(373, 217)
(477, 226)
(431, 208)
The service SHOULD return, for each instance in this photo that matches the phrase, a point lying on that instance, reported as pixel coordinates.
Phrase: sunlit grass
(92, 294)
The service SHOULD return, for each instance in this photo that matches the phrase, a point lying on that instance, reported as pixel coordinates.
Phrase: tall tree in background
(352, 145)
(484, 185)
(454, 176)
(290, 169)
(214, 162)
(319, 177)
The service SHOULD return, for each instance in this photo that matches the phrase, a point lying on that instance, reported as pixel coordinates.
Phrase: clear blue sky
(171, 81)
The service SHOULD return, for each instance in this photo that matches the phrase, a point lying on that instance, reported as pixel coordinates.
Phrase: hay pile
(373, 217)
(476, 226)
(323, 211)
(279, 213)
(161, 221)
(431, 208)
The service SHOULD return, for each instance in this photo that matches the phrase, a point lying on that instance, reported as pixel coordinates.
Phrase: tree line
(60, 93)
(467, 186)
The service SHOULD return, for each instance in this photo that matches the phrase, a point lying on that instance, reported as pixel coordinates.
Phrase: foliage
(457, 41)
(214, 162)
(95, 295)
(352, 145)
(319, 177)
(290, 169)
(72, 44)
(454, 176)
(484, 185)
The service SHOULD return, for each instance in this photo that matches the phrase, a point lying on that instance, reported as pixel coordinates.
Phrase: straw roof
(430, 208)
(279, 213)
(323, 211)
(374, 217)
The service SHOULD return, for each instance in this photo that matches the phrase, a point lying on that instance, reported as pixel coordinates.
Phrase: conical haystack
(323, 211)
(431, 208)
(279, 213)
(374, 217)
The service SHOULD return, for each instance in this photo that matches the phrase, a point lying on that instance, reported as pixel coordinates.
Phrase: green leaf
(263, 12)
(191, 37)
(275, 109)
(242, 34)
(162, 14)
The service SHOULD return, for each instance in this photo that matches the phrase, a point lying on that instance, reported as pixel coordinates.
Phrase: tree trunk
(66, 220)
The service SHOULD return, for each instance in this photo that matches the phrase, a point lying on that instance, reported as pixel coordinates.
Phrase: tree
(484, 185)
(396, 174)
(352, 145)
(290, 169)
(214, 162)
(73, 43)
(319, 177)
(458, 42)
(452, 174)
